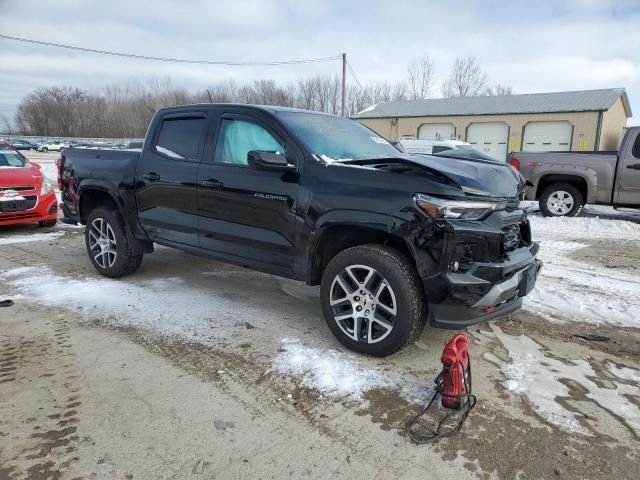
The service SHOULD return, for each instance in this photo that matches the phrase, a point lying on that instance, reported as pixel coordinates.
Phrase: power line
(167, 59)
(355, 77)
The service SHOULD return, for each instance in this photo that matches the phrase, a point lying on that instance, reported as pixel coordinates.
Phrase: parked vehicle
(428, 147)
(23, 145)
(563, 182)
(394, 240)
(55, 146)
(26, 195)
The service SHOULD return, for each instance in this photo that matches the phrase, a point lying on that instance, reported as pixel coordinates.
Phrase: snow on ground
(167, 305)
(175, 306)
(572, 289)
(576, 228)
(335, 373)
(542, 379)
(35, 237)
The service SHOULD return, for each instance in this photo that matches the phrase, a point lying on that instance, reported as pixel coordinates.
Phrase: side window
(179, 137)
(236, 138)
(636, 147)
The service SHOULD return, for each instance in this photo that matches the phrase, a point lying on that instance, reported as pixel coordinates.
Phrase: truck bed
(597, 168)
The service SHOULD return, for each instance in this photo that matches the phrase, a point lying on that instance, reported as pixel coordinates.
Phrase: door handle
(151, 177)
(635, 166)
(211, 183)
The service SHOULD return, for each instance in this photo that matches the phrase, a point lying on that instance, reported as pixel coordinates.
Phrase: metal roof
(578, 101)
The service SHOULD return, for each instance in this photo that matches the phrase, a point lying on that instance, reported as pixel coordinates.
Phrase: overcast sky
(534, 46)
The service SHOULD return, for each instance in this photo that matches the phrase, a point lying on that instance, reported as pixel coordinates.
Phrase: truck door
(628, 183)
(166, 176)
(245, 212)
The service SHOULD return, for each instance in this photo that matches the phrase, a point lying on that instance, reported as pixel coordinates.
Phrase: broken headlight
(461, 209)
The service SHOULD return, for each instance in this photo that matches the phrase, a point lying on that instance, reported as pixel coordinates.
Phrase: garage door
(437, 131)
(489, 138)
(547, 136)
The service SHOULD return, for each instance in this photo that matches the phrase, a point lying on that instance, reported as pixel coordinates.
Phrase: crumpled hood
(485, 178)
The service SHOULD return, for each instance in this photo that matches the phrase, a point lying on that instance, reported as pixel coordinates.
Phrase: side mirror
(273, 161)
(36, 164)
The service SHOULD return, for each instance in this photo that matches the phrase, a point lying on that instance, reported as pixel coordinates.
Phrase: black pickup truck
(394, 240)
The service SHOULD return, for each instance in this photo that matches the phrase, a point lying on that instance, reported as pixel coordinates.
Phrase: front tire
(561, 200)
(372, 299)
(44, 150)
(107, 244)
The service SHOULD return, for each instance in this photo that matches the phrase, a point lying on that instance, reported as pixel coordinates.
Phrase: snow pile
(36, 237)
(338, 374)
(368, 109)
(541, 378)
(167, 305)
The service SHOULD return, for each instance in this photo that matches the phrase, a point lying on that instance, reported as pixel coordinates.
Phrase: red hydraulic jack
(456, 372)
(453, 385)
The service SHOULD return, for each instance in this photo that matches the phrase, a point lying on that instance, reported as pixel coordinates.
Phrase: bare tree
(466, 79)
(498, 90)
(399, 91)
(421, 75)
(8, 129)
(124, 110)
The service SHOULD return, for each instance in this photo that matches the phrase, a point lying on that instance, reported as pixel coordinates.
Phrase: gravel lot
(196, 369)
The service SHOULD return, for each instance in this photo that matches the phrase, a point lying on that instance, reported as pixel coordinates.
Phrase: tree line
(124, 110)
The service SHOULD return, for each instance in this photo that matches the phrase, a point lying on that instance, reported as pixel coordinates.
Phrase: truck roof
(267, 108)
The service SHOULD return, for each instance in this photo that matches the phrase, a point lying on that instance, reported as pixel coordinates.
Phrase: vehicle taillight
(515, 163)
(59, 165)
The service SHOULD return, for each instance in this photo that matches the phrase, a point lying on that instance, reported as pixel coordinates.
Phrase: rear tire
(107, 244)
(359, 315)
(561, 200)
(45, 149)
(48, 223)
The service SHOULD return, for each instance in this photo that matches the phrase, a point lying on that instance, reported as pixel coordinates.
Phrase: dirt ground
(83, 395)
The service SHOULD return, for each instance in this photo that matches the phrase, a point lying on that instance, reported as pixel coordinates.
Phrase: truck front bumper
(484, 270)
(461, 309)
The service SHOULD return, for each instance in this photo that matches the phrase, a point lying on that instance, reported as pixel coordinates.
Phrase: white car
(427, 147)
(56, 146)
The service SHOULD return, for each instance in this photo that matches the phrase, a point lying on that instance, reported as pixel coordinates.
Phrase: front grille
(511, 237)
(11, 206)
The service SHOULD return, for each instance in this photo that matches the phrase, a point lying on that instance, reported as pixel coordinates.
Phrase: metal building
(497, 125)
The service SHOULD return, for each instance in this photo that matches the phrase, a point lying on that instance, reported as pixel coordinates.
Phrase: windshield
(336, 138)
(10, 158)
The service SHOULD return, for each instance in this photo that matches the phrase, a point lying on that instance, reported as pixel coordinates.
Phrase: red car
(25, 193)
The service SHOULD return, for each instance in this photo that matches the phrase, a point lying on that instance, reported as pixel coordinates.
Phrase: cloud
(554, 46)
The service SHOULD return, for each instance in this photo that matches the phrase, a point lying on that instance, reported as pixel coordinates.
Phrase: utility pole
(344, 81)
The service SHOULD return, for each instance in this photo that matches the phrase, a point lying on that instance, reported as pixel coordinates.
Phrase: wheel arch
(96, 195)
(581, 182)
(335, 237)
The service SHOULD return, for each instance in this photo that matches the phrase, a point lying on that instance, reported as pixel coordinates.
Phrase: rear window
(9, 158)
(179, 138)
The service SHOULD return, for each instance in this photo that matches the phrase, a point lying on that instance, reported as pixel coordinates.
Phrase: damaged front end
(476, 258)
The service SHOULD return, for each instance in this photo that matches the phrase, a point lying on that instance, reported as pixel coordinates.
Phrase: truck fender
(587, 174)
(136, 246)
(405, 228)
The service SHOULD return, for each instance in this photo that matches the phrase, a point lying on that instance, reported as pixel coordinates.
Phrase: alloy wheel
(102, 243)
(363, 304)
(560, 202)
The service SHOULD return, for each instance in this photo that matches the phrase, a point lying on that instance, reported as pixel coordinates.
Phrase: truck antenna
(210, 99)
